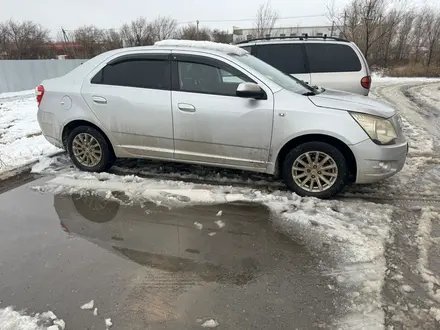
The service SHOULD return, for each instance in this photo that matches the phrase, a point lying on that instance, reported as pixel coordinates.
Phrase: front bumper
(375, 163)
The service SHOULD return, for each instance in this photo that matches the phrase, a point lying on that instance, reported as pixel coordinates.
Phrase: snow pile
(21, 141)
(13, 320)
(350, 235)
(225, 48)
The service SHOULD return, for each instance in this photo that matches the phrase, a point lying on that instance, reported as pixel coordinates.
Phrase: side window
(138, 72)
(288, 58)
(220, 79)
(325, 57)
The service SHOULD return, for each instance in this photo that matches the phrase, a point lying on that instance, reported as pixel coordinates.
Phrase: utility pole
(197, 35)
(67, 41)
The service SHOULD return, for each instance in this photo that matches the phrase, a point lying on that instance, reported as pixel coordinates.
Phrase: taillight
(39, 92)
(366, 82)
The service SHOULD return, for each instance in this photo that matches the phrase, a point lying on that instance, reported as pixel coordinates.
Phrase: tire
(338, 172)
(107, 157)
(95, 209)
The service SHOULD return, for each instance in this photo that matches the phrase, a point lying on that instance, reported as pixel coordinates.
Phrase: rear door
(335, 66)
(131, 97)
(286, 57)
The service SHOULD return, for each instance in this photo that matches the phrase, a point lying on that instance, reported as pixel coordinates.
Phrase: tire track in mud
(407, 303)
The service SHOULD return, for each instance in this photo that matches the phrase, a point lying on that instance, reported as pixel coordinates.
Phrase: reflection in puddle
(167, 239)
(237, 275)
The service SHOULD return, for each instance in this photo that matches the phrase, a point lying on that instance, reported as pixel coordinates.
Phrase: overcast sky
(113, 13)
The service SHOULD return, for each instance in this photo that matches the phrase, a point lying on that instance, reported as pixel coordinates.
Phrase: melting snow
(353, 233)
(13, 320)
(198, 225)
(108, 323)
(219, 214)
(88, 305)
(210, 324)
(95, 311)
(20, 135)
(220, 223)
(212, 234)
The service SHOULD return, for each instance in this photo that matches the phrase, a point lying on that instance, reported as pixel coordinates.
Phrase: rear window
(288, 58)
(247, 48)
(332, 58)
(141, 73)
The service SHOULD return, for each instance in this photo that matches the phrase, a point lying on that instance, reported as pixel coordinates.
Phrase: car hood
(352, 102)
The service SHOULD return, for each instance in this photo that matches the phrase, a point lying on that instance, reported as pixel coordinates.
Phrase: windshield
(284, 80)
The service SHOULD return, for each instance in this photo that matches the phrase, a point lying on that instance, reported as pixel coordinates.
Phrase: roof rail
(303, 37)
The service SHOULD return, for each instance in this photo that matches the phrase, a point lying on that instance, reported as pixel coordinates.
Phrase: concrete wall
(19, 75)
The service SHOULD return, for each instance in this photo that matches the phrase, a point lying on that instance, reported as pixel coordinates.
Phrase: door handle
(186, 107)
(99, 100)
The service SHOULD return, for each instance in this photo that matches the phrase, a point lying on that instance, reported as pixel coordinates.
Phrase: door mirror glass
(251, 90)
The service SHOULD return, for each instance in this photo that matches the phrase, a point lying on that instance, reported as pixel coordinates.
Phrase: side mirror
(251, 90)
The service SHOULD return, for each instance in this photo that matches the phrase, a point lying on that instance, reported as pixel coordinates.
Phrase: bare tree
(137, 33)
(163, 28)
(221, 36)
(433, 34)
(265, 19)
(191, 32)
(90, 38)
(111, 40)
(25, 40)
(404, 35)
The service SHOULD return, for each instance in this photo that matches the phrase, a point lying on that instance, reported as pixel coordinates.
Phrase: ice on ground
(13, 320)
(198, 225)
(219, 213)
(88, 305)
(21, 141)
(108, 323)
(210, 324)
(407, 288)
(220, 223)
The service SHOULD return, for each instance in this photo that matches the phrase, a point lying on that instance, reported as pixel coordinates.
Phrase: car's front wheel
(315, 169)
(89, 149)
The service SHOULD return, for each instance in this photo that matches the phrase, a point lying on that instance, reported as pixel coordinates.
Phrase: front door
(211, 124)
(131, 97)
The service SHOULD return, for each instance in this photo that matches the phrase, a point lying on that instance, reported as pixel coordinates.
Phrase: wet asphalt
(149, 267)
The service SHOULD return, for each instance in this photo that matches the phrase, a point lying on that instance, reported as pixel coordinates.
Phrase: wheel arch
(69, 127)
(335, 142)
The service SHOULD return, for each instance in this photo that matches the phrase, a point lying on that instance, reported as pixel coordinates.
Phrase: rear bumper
(375, 163)
(50, 128)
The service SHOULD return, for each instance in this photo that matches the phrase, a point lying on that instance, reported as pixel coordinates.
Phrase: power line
(247, 19)
(238, 20)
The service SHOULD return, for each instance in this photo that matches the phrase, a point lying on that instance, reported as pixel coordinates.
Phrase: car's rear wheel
(315, 169)
(89, 149)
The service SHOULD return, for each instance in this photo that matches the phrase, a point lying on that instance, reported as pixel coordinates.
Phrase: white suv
(322, 61)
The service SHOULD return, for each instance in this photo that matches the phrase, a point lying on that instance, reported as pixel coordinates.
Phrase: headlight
(380, 130)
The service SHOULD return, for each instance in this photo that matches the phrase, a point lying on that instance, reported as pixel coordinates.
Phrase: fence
(20, 75)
